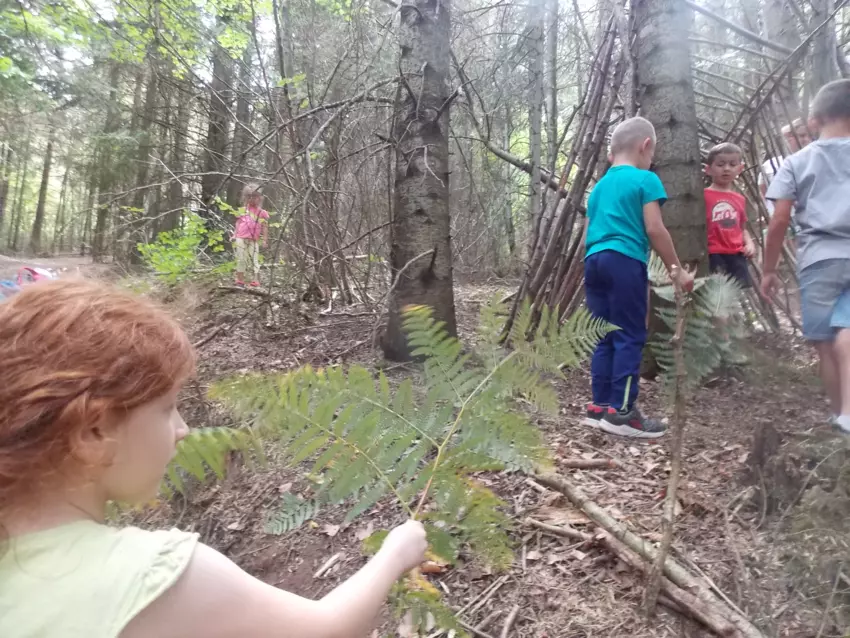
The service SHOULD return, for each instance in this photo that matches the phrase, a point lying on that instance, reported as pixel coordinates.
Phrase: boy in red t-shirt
(729, 244)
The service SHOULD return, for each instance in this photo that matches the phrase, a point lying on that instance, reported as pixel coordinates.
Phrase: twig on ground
(506, 629)
(532, 483)
(653, 585)
(828, 609)
(324, 569)
(349, 349)
(256, 292)
(473, 630)
(589, 464)
(212, 335)
(476, 603)
(488, 620)
(563, 532)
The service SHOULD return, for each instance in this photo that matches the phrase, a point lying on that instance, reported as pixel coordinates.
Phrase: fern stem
(442, 447)
(407, 422)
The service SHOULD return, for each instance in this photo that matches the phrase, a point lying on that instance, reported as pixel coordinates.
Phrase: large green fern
(712, 332)
(421, 444)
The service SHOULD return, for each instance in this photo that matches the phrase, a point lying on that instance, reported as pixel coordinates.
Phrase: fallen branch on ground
(672, 569)
(556, 530)
(506, 630)
(589, 464)
(248, 291)
(683, 601)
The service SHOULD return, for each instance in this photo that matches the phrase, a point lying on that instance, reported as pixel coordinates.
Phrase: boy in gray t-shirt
(817, 181)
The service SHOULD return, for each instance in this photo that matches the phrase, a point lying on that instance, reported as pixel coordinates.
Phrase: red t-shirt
(725, 219)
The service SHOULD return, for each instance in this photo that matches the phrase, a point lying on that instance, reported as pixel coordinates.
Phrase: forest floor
(563, 589)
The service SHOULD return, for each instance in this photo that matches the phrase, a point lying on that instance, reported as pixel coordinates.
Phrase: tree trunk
(781, 26)
(180, 134)
(139, 214)
(510, 230)
(215, 153)
(38, 223)
(421, 252)
(15, 230)
(240, 132)
(5, 178)
(535, 112)
(552, 87)
(824, 60)
(59, 223)
(666, 98)
(106, 175)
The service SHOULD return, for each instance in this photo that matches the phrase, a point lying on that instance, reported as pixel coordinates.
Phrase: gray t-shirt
(817, 178)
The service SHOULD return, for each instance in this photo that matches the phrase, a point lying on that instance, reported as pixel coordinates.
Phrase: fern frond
(292, 513)
(657, 271)
(203, 451)
(709, 336)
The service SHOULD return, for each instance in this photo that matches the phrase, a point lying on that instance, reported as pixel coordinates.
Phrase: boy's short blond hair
(832, 102)
(250, 191)
(630, 133)
(725, 148)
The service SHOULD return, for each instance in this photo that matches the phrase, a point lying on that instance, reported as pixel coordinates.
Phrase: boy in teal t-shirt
(623, 221)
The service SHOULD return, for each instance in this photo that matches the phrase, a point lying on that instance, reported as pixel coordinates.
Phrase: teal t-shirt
(615, 211)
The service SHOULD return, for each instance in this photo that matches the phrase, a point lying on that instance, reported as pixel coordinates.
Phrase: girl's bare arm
(214, 598)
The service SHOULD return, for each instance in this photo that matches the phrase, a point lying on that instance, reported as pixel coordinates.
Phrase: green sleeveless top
(85, 580)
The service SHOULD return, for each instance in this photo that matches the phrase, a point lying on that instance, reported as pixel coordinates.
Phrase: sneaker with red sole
(594, 415)
(254, 284)
(239, 282)
(631, 424)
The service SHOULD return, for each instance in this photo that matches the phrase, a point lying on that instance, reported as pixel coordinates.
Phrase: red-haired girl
(89, 378)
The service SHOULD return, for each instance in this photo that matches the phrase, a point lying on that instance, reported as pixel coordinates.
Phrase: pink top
(250, 225)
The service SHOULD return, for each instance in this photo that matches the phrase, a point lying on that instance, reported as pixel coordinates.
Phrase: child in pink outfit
(250, 227)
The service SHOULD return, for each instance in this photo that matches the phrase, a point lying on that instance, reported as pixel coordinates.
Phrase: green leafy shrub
(177, 254)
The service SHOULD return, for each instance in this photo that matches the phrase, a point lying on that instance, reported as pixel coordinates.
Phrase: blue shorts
(825, 298)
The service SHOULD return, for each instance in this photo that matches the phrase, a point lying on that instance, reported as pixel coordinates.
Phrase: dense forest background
(120, 120)
(438, 153)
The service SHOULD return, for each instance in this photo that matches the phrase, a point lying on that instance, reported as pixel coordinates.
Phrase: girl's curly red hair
(73, 353)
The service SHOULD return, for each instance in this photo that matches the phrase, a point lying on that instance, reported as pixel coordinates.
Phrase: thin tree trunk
(38, 223)
(5, 179)
(15, 230)
(551, 94)
(91, 198)
(824, 60)
(510, 231)
(535, 113)
(59, 223)
(105, 174)
(240, 132)
(180, 135)
(781, 26)
(143, 162)
(216, 151)
(552, 86)
(421, 251)
(666, 99)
